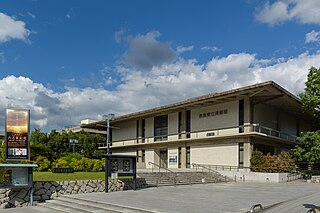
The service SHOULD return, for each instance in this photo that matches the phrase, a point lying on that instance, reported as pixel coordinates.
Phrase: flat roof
(268, 92)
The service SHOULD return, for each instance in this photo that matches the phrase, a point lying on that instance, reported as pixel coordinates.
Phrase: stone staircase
(70, 204)
(181, 178)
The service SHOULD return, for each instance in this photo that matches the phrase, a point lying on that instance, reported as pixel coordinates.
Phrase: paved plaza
(223, 197)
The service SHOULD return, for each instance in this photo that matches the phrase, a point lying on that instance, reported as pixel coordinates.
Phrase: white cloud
(303, 11)
(312, 36)
(68, 16)
(32, 15)
(210, 48)
(12, 29)
(182, 49)
(164, 84)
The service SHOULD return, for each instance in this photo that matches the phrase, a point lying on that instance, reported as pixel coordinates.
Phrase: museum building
(215, 129)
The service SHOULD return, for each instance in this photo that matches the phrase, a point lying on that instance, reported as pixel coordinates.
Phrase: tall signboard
(17, 134)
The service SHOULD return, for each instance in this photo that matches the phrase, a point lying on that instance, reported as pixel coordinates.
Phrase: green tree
(310, 98)
(309, 149)
(88, 144)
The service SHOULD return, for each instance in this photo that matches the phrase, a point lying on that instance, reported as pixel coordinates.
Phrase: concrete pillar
(157, 156)
(248, 114)
(140, 164)
(183, 157)
(139, 127)
(183, 124)
(247, 152)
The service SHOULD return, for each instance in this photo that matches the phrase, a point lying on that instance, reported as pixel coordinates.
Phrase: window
(265, 149)
(143, 156)
(240, 155)
(241, 115)
(188, 122)
(137, 131)
(180, 123)
(161, 128)
(143, 135)
(179, 157)
(188, 156)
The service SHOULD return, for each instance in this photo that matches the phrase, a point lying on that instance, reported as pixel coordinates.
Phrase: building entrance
(164, 158)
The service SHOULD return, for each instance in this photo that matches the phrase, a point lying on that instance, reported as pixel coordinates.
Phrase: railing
(168, 171)
(224, 167)
(227, 131)
(203, 167)
(293, 177)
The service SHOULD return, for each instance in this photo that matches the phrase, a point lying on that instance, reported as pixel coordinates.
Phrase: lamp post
(108, 118)
(73, 142)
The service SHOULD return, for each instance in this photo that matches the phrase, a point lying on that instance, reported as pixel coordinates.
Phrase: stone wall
(49, 190)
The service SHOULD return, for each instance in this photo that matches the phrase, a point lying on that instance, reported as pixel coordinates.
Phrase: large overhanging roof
(268, 92)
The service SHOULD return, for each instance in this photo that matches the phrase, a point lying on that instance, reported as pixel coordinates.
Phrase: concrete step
(104, 205)
(164, 178)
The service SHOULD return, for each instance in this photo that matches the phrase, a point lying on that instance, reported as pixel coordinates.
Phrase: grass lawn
(49, 176)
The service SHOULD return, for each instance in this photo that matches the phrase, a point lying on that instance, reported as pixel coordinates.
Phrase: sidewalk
(222, 197)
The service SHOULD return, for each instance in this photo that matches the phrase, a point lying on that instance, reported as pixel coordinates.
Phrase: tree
(309, 149)
(310, 98)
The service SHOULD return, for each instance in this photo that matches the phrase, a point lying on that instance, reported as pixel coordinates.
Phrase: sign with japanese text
(17, 134)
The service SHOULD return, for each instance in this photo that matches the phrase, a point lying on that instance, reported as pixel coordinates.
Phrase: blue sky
(71, 60)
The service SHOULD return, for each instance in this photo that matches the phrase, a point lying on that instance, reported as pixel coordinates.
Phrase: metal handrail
(204, 167)
(255, 206)
(160, 167)
(253, 128)
(167, 170)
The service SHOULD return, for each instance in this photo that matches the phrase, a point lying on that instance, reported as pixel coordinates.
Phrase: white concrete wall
(173, 126)
(124, 131)
(150, 157)
(149, 131)
(124, 153)
(222, 154)
(173, 155)
(230, 119)
(243, 176)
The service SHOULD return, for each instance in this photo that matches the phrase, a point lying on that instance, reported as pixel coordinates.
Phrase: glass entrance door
(164, 158)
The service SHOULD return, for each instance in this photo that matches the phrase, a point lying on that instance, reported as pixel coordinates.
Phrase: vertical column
(247, 152)
(140, 164)
(183, 157)
(248, 114)
(183, 125)
(139, 131)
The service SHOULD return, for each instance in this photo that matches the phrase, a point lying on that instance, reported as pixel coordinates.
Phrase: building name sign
(213, 113)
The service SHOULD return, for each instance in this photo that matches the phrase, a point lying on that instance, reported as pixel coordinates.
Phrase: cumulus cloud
(11, 29)
(312, 36)
(306, 12)
(164, 84)
(145, 51)
(182, 49)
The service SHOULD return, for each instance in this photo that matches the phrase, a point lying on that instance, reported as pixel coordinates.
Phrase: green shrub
(73, 156)
(43, 163)
(61, 163)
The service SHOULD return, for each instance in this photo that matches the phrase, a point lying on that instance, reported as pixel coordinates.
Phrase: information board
(17, 134)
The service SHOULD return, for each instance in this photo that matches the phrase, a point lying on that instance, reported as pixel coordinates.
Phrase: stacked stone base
(49, 190)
